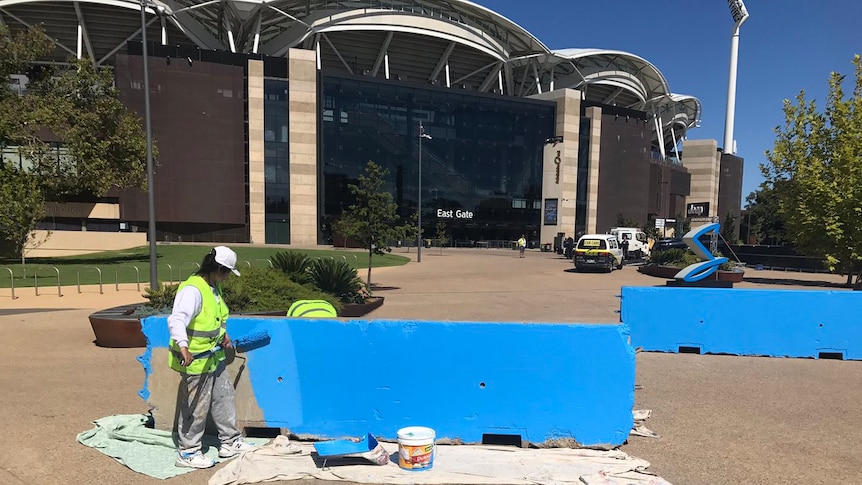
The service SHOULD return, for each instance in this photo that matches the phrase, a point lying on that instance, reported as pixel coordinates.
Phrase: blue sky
(786, 46)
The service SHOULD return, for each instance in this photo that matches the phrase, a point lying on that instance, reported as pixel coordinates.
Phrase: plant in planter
(293, 264)
(257, 290)
(341, 279)
(673, 257)
(338, 278)
(267, 290)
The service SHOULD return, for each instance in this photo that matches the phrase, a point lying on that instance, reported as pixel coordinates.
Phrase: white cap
(226, 257)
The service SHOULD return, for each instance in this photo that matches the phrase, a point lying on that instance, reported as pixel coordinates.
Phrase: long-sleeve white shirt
(187, 305)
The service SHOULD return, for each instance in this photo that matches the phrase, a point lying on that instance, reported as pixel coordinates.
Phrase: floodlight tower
(740, 15)
(151, 228)
(422, 135)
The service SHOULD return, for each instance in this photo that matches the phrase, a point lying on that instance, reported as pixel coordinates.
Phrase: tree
(442, 237)
(816, 167)
(371, 220)
(727, 228)
(762, 219)
(23, 207)
(72, 133)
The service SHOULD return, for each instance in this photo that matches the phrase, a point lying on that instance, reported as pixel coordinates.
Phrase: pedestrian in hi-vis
(522, 245)
(198, 340)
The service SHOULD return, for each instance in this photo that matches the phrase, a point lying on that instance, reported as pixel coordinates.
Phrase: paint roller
(244, 343)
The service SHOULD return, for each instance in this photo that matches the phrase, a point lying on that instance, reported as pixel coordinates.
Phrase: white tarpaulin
(465, 464)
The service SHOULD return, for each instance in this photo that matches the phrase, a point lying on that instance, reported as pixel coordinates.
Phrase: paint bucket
(416, 448)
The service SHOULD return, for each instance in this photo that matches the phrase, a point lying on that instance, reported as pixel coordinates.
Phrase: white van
(638, 241)
(600, 251)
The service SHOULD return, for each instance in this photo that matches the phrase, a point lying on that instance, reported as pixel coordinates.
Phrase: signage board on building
(454, 214)
(697, 209)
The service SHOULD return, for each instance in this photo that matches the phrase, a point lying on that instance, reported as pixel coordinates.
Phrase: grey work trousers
(206, 395)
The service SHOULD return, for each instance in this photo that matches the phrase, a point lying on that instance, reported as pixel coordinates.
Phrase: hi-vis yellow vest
(205, 331)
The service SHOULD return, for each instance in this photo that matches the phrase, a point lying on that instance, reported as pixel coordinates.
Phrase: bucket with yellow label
(416, 448)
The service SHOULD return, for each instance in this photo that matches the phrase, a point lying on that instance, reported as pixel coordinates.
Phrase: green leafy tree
(728, 227)
(371, 221)
(23, 206)
(762, 220)
(441, 236)
(816, 167)
(650, 230)
(623, 221)
(76, 107)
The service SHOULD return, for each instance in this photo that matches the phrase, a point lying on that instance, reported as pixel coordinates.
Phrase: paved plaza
(721, 419)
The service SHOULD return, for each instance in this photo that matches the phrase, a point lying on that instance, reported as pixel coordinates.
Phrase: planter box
(117, 328)
(732, 276)
(360, 309)
(668, 272)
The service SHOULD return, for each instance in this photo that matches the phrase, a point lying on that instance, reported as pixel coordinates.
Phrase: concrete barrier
(547, 383)
(775, 323)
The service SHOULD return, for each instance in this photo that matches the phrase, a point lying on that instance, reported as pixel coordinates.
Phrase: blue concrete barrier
(332, 378)
(777, 323)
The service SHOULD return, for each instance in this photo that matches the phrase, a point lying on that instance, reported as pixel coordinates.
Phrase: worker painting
(197, 351)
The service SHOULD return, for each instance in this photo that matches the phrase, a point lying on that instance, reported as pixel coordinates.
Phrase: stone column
(302, 98)
(595, 115)
(564, 188)
(703, 161)
(256, 179)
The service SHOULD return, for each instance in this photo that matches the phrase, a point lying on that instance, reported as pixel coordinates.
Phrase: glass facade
(583, 177)
(276, 160)
(481, 168)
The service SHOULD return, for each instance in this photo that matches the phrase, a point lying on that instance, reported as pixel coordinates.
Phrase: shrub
(257, 290)
(337, 278)
(293, 264)
(159, 301)
(265, 289)
(676, 257)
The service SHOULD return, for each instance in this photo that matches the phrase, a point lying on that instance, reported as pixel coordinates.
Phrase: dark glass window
(276, 161)
(481, 168)
(583, 177)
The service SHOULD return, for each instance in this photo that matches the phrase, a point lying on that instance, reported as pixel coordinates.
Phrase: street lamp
(422, 135)
(151, 231)
(740, 15)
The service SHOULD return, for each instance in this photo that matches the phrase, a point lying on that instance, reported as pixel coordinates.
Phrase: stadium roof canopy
(454, 43)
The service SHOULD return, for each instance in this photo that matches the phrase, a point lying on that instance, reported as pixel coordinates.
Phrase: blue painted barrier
(777, 323)
(332, 378)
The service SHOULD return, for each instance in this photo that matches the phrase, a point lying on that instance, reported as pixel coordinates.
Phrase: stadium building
(265, 111)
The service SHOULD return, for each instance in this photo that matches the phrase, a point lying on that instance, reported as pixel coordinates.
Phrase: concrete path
(722, 419)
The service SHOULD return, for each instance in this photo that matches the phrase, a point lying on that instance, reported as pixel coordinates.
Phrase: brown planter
(117, 328)
(732, 276)
(666, 272)
(360, 309)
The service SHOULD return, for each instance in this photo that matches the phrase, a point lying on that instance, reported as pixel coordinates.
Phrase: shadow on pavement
(793, 282)
(22, 311)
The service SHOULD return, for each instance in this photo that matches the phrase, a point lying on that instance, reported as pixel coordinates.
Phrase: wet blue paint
(332, 378)
(776, 323)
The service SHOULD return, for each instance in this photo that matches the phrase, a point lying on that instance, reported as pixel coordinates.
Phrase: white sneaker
(235, 448)
(194, 459)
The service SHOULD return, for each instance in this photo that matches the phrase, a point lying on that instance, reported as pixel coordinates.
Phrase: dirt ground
(721, 419)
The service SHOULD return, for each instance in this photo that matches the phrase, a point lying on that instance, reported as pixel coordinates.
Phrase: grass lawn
(175, 264)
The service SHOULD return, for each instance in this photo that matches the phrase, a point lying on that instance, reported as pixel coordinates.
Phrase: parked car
(598, 251)
(668, 243)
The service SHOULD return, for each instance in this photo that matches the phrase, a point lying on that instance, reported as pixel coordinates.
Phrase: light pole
(422, 135)
(151, 231)
(740, 15)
